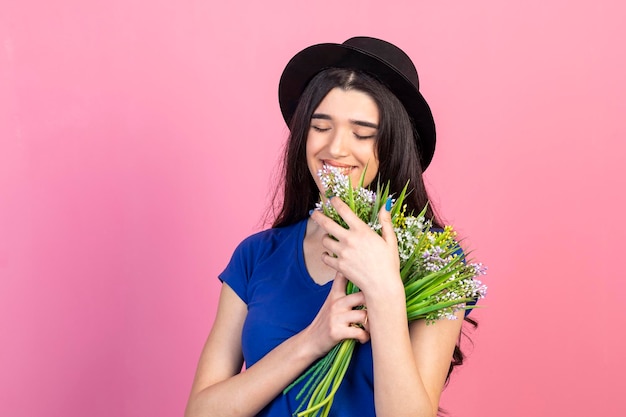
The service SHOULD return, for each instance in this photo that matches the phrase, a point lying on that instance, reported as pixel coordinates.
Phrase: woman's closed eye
(320, 128)
(363, 137)
(356, 135)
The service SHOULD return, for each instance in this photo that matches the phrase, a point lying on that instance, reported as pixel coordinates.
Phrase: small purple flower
(432, 259)
(479, 269)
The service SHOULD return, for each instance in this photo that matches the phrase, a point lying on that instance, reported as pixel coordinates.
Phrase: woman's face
(342, 134)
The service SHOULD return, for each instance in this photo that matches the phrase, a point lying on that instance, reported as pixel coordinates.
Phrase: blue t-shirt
(267, 271)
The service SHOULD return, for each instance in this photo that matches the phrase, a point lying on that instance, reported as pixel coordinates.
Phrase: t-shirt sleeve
(238, 271)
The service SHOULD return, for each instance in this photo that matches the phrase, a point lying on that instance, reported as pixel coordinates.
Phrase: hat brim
(310, 61)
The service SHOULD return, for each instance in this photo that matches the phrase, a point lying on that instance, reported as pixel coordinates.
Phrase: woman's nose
(339, 143)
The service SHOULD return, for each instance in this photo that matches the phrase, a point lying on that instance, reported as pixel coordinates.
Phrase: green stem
(332, 380)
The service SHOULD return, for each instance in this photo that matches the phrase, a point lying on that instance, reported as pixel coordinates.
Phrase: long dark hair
(396, 149)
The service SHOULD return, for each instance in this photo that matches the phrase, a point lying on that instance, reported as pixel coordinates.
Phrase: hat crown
(388, 53)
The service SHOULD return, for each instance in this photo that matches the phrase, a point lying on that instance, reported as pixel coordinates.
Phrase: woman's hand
(338, 320)
(370, 261)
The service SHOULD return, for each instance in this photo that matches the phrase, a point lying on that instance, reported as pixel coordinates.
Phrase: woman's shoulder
(273, 237)
(269, 244)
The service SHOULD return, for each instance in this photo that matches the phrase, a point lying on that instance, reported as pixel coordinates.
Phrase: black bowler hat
(382, 60)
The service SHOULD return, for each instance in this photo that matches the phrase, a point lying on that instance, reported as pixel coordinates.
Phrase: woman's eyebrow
(363, 123)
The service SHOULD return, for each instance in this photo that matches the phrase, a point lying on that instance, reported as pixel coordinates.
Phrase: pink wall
(138, 139)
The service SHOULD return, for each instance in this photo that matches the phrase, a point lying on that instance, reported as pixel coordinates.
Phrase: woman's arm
(410, 361)
(220, 389)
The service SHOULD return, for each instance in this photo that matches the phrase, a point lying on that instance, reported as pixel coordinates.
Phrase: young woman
(283, 305)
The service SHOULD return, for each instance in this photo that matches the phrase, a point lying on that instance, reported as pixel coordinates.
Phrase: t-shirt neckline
(307, 278)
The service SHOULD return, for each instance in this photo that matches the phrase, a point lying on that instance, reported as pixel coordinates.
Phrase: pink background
(138, 141)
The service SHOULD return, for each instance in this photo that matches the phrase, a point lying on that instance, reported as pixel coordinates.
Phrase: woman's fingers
(328, 224)
(359, 334)
(345, 212)
(338, 292)
(350, 319)
(338, 288)
(333, 228)
(355, 326)
(384, 217)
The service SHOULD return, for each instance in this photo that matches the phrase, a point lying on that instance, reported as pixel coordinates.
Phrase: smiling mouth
(342, 169)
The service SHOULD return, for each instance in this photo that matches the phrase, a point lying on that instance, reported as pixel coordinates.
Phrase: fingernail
(311, 212)
(388, 204)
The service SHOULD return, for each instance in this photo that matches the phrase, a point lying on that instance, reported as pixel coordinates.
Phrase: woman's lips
(344, 169)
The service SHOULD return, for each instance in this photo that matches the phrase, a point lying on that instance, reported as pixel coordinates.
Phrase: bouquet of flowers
(438, 279)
